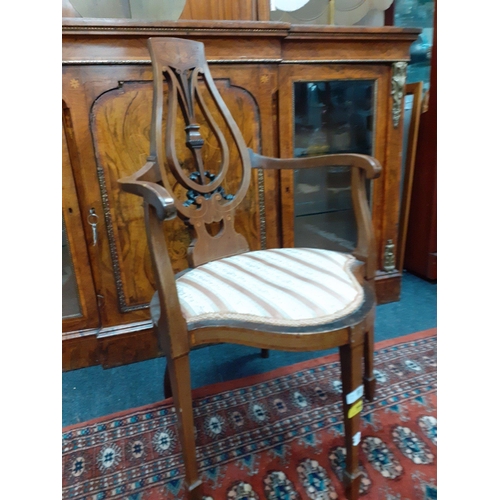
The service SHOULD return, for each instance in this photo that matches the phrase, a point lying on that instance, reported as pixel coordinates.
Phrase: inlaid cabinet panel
(120, 127)
(79, 300)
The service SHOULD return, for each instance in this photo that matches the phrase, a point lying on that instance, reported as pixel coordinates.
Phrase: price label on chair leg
(356, 438)
(354, 395)
(355, 409)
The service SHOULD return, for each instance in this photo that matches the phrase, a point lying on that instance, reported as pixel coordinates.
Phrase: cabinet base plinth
(388, 287)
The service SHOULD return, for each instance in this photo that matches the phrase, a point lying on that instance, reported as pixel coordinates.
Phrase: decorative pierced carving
(192, 195)
(184, 69)
(397, 90)
(193, 137)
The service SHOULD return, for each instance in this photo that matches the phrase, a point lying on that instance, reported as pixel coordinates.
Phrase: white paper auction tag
(354, 395)
(356, 439)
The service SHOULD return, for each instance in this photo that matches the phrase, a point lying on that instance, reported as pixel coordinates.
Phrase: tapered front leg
(352, 393)
(368, 378)
(180, 382)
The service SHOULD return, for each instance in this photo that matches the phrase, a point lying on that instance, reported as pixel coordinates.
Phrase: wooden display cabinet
(107, 92)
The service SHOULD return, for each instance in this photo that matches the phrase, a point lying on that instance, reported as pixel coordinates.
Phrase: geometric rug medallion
(274, 436)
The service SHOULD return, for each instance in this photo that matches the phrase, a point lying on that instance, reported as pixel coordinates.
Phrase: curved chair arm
(367, 167)
(144, 183)
(370, 165)
(158, 207)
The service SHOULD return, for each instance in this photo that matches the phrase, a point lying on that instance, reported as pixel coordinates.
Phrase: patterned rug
(276, 436)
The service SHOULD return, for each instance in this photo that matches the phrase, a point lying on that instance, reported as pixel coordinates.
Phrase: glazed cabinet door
(337, 109)
(80, 315)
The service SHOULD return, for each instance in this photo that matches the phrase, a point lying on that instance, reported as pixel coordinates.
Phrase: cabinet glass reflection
(70, 299)
(335, 116)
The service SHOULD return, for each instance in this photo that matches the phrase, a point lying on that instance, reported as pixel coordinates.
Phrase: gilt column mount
(397, 90)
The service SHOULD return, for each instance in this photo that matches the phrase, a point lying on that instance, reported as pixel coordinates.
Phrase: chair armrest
(366, 167)
(370, 165)
(158, 207)
(144, 183)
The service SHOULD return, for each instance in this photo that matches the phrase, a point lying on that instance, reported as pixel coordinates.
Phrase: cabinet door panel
(79, 300)
(332, 109)
(120, 121)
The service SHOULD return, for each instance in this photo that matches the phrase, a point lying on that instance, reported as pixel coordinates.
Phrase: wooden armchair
(295, 299)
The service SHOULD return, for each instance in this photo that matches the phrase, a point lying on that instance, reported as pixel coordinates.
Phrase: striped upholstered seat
(280, 287)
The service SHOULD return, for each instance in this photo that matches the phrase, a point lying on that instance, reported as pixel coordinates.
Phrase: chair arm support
(366, 246)
(144, 183)
(366, 167)
(370, 165)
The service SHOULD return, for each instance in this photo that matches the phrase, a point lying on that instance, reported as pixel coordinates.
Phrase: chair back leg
(369, 378)
(351, 366)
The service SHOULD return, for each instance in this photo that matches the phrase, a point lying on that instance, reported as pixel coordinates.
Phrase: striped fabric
(288, 287)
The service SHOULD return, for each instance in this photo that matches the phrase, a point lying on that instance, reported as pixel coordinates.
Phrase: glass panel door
(79, 299)
(330, 116)
(70, 299)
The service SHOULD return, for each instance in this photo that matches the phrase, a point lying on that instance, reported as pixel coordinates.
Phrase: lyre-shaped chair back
(183, 65)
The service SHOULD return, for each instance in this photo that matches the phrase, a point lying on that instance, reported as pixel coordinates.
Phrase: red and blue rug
(275, 436)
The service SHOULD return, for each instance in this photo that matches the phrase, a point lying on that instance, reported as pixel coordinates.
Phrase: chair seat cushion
(280, 287)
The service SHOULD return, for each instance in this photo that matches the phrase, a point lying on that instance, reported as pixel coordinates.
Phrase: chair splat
(204, 199)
